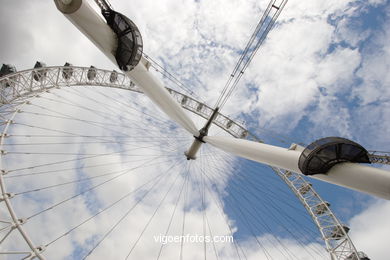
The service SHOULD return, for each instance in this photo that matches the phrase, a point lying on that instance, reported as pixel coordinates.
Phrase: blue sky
(323, 71)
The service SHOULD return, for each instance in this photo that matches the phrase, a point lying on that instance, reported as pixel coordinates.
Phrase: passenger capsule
(67, 72)
(113, 76)
(91, 73)
(39, 74)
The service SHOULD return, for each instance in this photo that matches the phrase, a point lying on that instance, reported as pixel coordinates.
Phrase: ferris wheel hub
(197, 143)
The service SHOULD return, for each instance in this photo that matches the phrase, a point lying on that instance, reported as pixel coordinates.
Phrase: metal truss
(17, 88)
(379, 157)
(337, 241)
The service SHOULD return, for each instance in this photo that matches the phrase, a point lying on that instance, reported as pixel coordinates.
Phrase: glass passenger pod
(305, 189)
(244, 134)
(91, 74)
(322, 208)
(67, 72)
(7, 69)
(337, 232)
(361, 256)
(4, 71)
(129, 49)
(113, 76)
(321, 155)
(184, 100)
(39, 74)
(199, 107)
(229, 124)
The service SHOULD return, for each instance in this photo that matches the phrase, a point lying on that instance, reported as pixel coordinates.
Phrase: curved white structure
(355, 176)
(92, 25)
(19, 88)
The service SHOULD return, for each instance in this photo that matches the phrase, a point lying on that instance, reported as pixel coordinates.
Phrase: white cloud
(370, 230)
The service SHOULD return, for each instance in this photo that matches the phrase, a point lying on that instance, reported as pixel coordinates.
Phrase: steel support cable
(254, 51)
(78, 159)
(220, 204)
(104, 126)
(152, 216)
(265, 226)
(85, 179)
(204, 213)
(105, 209)
(205, 219)
(86, 136)
(250, 170)
(89, 122)
(126, 214)
(173, 212)
(98, 113)
(159, 68)
(84, 142)
(64, 116)
(258, 44)
(77, 168)
(124, 105)
(243, 55)
(184, 214)
(81, 120)
(289, 219)
(113, 109)
(270, 194)
(80, 193)
(248, 226)
(250, 50)
(51, 130)
(220, 207)
(252, 227)
(273, 216)
(253, 182)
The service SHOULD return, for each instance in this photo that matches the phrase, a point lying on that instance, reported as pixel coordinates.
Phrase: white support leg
(355, 176)
(95, 28)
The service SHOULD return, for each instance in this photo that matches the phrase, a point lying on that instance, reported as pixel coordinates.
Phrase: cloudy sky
(321, 72)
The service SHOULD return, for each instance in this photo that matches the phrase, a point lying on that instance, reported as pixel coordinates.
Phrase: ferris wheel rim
(229, 125)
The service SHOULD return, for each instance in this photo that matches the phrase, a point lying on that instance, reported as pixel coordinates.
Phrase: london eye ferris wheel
(112, 164)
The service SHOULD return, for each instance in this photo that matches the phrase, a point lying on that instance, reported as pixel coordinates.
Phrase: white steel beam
(355, 176)
(92, 25)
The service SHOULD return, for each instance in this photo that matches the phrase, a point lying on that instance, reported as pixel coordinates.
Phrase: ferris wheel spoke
(102, 125)
(253, 194)
(128, 211)
(218, 201)
(107, 132)
(185, 201)
(87, 179)
(77, 168)
(242, 191)
(82, 192)
(124, 108)
(153, 214)
(110, 117)
(251, 188)
(200, 183)
(81, 158)
(248, 226)
(186, 177)
(155, 179)
(219, 204)
(257, 182)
